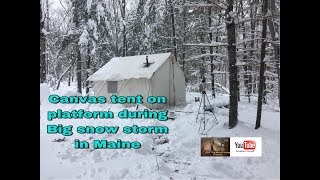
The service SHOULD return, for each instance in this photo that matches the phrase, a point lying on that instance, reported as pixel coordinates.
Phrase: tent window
(112, 86)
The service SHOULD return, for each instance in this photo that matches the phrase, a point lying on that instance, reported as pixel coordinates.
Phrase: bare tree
(116, 23)
(123, 16)
(262, 62)
(76, 20)
(253, 11)
(184, 35)
(43, 67)
(211, 52)
(88, 68)
(276, 46)
(173, 30)
(233, 79)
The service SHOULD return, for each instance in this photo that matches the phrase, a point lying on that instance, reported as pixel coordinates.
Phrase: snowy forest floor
(178, 153)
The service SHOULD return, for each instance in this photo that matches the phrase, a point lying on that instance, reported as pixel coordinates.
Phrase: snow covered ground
(178, 157)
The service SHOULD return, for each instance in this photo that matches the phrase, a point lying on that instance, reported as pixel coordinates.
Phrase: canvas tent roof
(120, 68)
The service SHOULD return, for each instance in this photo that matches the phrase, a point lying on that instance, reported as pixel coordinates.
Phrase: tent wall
(180, 84)
(131, 87)
(134, 87)
(160, 85)
(177, 83)
(163, 84)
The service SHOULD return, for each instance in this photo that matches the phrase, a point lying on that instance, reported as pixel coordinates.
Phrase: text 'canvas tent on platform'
(146, 75)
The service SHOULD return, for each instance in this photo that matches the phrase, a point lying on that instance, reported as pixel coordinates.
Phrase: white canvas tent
(131, 76)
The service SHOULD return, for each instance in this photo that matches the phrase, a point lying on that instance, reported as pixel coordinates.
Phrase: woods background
(234, 44)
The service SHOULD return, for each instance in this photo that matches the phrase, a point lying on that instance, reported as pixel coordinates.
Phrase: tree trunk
(72, 73)
(116, 27)
(173, 31)
(79, 69)
(184, 36)
(275, 46)
(225, 76)
(88, 70)
(202, 51)
(47, 15)
(69, 77)
(246, 68)
(47, 29)
(43, 67)
(233, 79)
(238, 90)
(264, 87)
(211, 52)
(124, 43)
(262, 63)
(76, 20)
(251, 54)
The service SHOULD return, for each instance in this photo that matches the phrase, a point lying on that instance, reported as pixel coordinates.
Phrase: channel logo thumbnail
(215, 146)
(231, 146)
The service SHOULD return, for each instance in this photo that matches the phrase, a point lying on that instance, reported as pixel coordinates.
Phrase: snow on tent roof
(120, 68)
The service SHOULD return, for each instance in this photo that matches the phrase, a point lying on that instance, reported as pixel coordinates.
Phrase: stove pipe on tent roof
(147, 62)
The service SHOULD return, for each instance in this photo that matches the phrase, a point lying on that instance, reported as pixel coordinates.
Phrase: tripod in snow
(203, 120)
